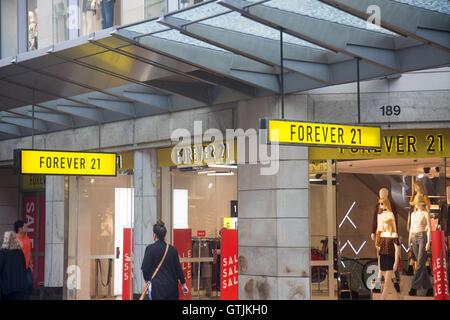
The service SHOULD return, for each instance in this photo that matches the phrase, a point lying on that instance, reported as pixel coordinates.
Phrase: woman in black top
(13, 271)
(165, 284)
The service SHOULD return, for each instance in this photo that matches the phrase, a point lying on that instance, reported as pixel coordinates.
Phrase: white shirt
(419, 221)
(381, 217)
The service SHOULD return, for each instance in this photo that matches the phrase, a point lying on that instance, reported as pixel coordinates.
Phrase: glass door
(322, 208)
(203, 200)
(99, 210)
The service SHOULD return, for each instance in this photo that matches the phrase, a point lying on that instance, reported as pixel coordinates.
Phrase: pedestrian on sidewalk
(163, 284)
(13, 273)
(21, 229)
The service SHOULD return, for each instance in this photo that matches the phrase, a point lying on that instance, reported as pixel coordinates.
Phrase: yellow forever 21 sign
(293, 132)
(65, 163)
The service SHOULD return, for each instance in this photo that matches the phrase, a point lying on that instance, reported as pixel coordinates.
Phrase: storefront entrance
(203, 203)
(344, 192)
(100, 214)
(198, 202)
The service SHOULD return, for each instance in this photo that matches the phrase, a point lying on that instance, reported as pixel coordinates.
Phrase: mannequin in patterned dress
(389, 249)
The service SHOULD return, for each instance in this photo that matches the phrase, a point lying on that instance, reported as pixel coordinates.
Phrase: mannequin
(91, 16)
(419, 241)
(444, 213)
(377, 227)
(32, 31)
(389, 250)
(419, 189)
(446, 226)
(384, 213)
(107, 11)
(384, 194)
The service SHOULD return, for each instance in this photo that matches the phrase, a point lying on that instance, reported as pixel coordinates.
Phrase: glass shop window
(154, 8)
(8, 28)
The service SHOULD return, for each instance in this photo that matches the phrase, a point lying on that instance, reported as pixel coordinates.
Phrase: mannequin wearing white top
(420, 222)
(419, 241)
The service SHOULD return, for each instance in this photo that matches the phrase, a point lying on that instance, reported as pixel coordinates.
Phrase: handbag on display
(147, 286)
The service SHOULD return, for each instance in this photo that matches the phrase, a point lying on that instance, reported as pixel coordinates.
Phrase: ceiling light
(228, 166)
(229, 173)
(206, 172)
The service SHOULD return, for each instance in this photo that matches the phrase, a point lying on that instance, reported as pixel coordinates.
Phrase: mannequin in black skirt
(389, 249)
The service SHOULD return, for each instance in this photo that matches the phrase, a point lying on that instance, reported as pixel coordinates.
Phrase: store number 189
(390, 110)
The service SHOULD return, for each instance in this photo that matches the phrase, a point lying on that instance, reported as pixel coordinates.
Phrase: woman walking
(163, 280)
(13, 272)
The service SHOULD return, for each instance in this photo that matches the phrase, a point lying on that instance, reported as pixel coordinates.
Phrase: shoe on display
(430, 292)
(412, 292)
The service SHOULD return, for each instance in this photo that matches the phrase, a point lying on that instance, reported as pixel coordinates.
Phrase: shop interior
(99, 210)
(355, 189)
(204, 200)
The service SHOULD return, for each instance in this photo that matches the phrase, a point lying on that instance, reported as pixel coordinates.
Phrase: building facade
(137, 85)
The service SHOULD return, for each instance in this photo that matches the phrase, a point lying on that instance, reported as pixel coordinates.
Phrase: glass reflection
(32, 25)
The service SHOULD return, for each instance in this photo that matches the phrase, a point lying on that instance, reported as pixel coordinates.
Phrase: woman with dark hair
(164, 284)
(13, 272)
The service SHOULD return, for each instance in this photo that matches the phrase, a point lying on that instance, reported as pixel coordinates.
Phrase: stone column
(274, 244)
(54, 231)
(145, 208)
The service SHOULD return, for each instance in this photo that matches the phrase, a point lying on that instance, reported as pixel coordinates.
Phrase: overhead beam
(26, 123)
(429, 27)
(76, 110)
(165, 63)
(121, 107)
(260, 49)
(214, 61)
(226, 82)
(150, 97)
(56, 118)
(88, 113)
(196, 91)
(167, 90)
(352, 41)
(10, 129)
(159, 100)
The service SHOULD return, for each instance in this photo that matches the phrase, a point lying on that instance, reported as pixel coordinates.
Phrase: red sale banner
(127, 277)
(229, 265)
(439, 256)
(30, 214)
(182, 241)
(201, 233)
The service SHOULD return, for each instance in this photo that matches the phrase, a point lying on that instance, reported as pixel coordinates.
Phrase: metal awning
(217, 52)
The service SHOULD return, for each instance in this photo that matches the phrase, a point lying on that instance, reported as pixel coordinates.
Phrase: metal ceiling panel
(430, 27)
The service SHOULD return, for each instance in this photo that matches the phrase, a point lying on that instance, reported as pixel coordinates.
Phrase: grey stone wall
(54, 231)
(423, 97)
(145, 208)
(273, 231)
(9, 201)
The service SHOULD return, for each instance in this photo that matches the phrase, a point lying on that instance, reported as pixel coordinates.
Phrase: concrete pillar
(54, 231)
(145, 208)
(9, 193)
(274, 249)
